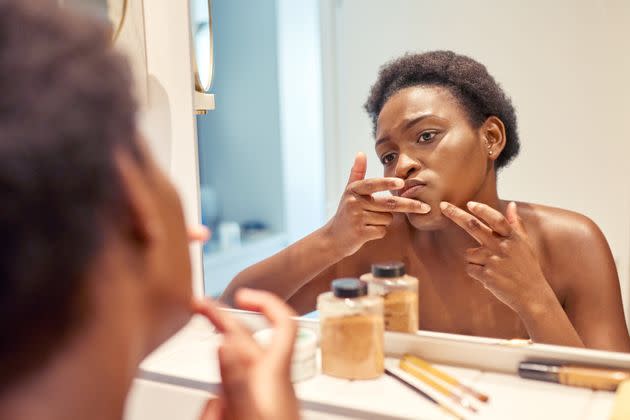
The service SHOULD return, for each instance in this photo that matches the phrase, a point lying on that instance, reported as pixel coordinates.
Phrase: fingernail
(398, 183)
(425, 208)
(443, 205)
(471, 205)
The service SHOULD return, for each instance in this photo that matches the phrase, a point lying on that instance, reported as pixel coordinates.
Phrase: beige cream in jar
(352, 331)
(400, 295)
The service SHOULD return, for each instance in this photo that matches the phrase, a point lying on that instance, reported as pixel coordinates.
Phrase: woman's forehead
(411, 102)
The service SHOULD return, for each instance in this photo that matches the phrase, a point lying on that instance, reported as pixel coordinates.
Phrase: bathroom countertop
(188, 361)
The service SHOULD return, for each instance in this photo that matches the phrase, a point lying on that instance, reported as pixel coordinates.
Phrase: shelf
(189, 360)
(220, 267)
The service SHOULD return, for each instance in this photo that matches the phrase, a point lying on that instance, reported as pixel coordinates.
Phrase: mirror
(276, 153)
(201, 27)
(115, 11)
(128, 34)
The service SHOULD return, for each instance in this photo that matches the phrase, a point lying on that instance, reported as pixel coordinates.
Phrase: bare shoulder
(554, 226)
(570, 246)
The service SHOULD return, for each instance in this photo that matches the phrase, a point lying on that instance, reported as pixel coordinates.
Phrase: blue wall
(240, 147)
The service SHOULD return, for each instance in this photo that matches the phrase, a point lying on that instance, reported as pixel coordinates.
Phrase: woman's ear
(143, 218)
(493, 134)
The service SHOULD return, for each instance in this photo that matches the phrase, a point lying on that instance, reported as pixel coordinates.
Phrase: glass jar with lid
(399, 292)
(352, 331)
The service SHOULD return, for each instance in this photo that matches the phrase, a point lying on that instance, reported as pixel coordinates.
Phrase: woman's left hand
(505, 263)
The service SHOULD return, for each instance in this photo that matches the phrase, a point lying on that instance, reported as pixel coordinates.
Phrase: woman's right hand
(255, 381)
(362, 217)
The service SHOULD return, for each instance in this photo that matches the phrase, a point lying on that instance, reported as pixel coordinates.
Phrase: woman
(488, 267)
(94, 263)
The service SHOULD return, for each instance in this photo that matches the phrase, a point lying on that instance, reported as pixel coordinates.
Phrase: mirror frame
(121, 22)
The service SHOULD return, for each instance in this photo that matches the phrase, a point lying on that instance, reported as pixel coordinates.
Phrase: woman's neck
(82, 381)
(91, 373)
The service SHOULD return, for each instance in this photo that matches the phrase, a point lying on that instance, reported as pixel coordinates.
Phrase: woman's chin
(434, 220)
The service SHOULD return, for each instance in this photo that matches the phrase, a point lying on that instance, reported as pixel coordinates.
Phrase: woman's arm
(593, 302)
(290, 269)
(360, 218)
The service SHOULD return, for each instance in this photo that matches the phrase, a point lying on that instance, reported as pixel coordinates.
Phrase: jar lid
(389, 269)
(349, 288)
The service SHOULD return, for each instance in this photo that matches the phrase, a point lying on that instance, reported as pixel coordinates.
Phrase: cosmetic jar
(304, 359)
(400, 295)
(352, 331)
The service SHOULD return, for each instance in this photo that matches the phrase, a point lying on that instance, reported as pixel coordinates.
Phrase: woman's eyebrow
(411, 121)
(381, 140)
(408, 123)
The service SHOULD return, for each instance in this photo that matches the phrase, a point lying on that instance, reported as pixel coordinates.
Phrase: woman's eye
(426, 136)
(388, 158)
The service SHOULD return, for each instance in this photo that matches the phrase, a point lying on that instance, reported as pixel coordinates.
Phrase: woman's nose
(406, 166)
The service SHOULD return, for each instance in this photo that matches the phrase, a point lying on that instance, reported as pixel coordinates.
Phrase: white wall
(301, 118)
(168, 120)
(564, 63)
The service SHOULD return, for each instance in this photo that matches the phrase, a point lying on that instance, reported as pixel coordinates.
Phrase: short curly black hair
(467, 80)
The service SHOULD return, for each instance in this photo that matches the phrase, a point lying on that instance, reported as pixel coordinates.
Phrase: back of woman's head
(65, 107)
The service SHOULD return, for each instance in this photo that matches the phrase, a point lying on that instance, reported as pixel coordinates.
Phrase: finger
(375, 232)
(372, 185)
(222, 320)
(198, 233)
(479, 273)
(479, 231)
(359, 167)
(398, 205)
(377, 218)
(492, 217)
(233, 368)
(478, 256)
(212, 410)
(513, 218)
(279, 314)
(247, 348)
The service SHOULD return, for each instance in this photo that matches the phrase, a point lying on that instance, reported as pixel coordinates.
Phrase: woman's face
(424, 137)
(167, 269)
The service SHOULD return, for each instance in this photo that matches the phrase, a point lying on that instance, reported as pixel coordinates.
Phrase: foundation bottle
(400, 295)
(352, 331)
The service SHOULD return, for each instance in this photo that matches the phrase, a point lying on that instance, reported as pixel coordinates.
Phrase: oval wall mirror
(202, 42)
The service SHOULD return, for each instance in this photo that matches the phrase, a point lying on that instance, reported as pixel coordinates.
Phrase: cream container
(304, 360)
(400, 295)
(352, 331)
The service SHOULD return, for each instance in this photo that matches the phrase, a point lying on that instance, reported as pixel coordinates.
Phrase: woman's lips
(412, 191)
